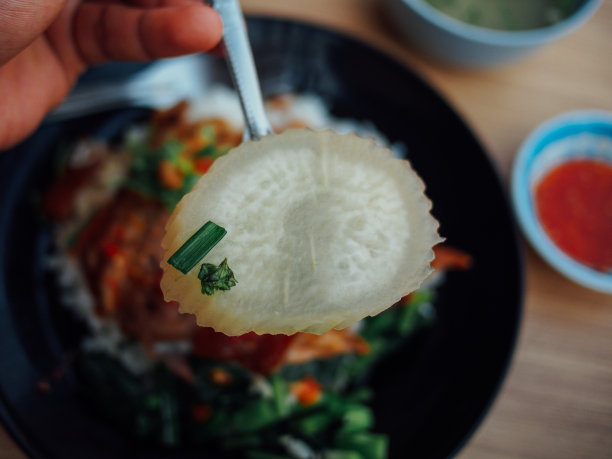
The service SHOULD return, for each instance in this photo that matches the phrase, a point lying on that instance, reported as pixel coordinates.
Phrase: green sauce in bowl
(508, 14)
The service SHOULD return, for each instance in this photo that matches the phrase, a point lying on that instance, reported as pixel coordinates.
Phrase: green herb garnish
(215, 278)
(197, 246)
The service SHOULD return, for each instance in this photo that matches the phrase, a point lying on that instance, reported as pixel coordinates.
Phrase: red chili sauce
(574, 203)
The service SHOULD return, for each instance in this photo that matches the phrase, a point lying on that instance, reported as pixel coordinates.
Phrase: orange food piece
(308, 346)
(306, 391)
(225, 133)
(203, 164)
(169, 175)
(574, 204)
(259, 353)
(220, 377)
(447, 257)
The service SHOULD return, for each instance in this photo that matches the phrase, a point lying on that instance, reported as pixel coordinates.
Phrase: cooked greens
(247, 415)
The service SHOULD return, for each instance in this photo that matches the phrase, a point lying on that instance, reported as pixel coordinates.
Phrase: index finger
(111, 31)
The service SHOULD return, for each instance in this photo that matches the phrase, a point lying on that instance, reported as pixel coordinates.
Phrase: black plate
(429, 396)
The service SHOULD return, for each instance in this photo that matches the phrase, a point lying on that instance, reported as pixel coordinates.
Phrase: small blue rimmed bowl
(570, 136)
(460, 44)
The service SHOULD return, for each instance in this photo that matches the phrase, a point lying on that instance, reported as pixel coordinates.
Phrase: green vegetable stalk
(196, 247)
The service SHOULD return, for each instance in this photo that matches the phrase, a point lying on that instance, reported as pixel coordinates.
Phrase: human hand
(46, 44)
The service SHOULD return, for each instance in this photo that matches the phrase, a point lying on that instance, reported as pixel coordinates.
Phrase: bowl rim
(523, 202)
(503, 38)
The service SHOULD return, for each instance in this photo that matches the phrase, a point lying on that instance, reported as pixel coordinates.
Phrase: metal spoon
(242, 69)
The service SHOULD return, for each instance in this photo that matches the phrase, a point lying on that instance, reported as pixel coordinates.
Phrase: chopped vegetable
(307, 391)
(203, 164)
(220, 377)
(169, 175)
(447, 258)
(215, 278)
(196, 247)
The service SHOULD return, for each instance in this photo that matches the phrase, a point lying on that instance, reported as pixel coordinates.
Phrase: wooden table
(557, 399)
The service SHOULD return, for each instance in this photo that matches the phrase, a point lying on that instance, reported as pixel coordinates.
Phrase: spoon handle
(242, 68)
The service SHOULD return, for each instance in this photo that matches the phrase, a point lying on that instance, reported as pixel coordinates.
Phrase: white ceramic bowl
(461, 44)
(570, 136)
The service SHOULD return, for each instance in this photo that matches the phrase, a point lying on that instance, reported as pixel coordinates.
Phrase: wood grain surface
(557, 399)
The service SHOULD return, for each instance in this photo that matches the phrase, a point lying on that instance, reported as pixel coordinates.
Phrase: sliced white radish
(322, 230)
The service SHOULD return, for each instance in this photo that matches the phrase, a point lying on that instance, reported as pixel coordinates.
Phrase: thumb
(22, 21)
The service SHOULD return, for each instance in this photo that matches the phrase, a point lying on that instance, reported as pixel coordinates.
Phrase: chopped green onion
(197, 246)
(215, 278)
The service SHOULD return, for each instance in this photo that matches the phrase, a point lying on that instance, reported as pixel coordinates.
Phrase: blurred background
(557, 398)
